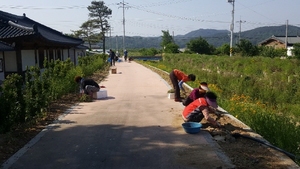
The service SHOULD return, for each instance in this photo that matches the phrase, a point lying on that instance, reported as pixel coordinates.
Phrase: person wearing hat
(196, 93)
(201, 108)
(177, 78)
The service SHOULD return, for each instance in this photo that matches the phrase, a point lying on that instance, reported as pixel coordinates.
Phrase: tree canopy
(200, 45)
(99, 14)
(168, 44)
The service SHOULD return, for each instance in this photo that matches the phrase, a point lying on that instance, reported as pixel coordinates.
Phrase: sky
(148, 18)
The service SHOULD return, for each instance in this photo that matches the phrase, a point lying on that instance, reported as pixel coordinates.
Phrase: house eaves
(12, 26)
(5, 47)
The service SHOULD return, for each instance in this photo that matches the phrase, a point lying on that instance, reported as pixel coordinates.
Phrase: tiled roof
(12, 30)
(18, 26)
(290, 39)
(81, 47)
(5, 47)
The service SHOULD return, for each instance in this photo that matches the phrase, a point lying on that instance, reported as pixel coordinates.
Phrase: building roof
(290, 40)
(13, 26)
(5, 47)
(81, 47)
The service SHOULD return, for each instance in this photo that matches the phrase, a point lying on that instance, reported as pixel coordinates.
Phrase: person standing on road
(177, 78)
(125, 55)
(117, 56)
(112, 56)
(87, 86)
(201, 108)
(196, 93)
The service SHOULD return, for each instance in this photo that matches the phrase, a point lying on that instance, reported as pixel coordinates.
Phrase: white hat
(204, 87)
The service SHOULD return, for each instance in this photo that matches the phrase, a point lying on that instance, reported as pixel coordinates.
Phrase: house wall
(275, 44)
(78, 54)
(10, 61)
(290, 51)
(65, 54)
(1, 72)
(28, 59)
(72, 55)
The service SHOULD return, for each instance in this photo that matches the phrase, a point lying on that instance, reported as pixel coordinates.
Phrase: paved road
(136, 126)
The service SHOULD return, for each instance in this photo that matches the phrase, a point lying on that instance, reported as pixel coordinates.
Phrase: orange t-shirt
(200, 102)
(180, 75)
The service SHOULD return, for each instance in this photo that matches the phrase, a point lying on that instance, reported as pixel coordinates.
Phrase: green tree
(168, 44)
(148, 52)
(268, 51)
(166, 39)
(171, 48)
(296, 50)
(200, 45)
(99, 14)
(246, 48)
(224, 49)
(88, 34)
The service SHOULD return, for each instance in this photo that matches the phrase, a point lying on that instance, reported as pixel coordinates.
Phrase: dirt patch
(243, 153)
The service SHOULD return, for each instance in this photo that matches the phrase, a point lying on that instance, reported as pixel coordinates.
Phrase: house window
(1, 65)
(41, 58)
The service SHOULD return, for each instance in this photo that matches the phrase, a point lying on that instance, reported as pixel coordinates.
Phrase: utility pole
(240, 21)
(117, 43)
(123, 6)
(231, 26)
(286, 33)
(110, 46)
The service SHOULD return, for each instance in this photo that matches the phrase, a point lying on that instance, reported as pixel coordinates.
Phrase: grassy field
(262, 92)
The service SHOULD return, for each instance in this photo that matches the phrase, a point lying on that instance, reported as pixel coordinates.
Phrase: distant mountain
(204, 33)
(214, 37)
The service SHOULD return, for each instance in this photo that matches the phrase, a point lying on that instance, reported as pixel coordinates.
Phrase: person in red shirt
(196, 93)
(201, 108)
(178, 78)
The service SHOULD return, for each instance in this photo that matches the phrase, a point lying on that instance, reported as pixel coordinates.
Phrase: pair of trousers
(174, 81)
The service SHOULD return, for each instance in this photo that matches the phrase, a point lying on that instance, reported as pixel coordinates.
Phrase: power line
(123, 6)
(43, 8)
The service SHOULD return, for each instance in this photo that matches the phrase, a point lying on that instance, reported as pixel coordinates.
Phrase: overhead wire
(158, 4)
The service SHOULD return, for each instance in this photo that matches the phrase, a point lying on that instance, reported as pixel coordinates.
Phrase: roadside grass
(262, 95)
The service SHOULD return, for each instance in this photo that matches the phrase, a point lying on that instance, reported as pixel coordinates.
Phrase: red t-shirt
(180, 75)
(192, 106)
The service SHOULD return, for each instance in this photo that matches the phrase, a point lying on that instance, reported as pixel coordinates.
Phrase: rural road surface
(136, 126)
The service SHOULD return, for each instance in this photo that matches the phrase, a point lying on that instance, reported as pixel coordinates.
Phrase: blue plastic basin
(191, 127)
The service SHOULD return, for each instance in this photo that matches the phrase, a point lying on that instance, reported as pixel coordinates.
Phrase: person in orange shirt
(201, 108)
(178, 78)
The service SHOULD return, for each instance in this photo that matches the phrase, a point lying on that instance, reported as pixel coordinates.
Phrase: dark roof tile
(16, 26)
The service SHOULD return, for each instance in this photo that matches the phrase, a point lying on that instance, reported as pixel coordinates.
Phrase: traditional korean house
(281, 42)
(28, 43)
(3, 48)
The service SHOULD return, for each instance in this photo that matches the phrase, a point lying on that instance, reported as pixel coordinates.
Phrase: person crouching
(201, 108)
(87, 86)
